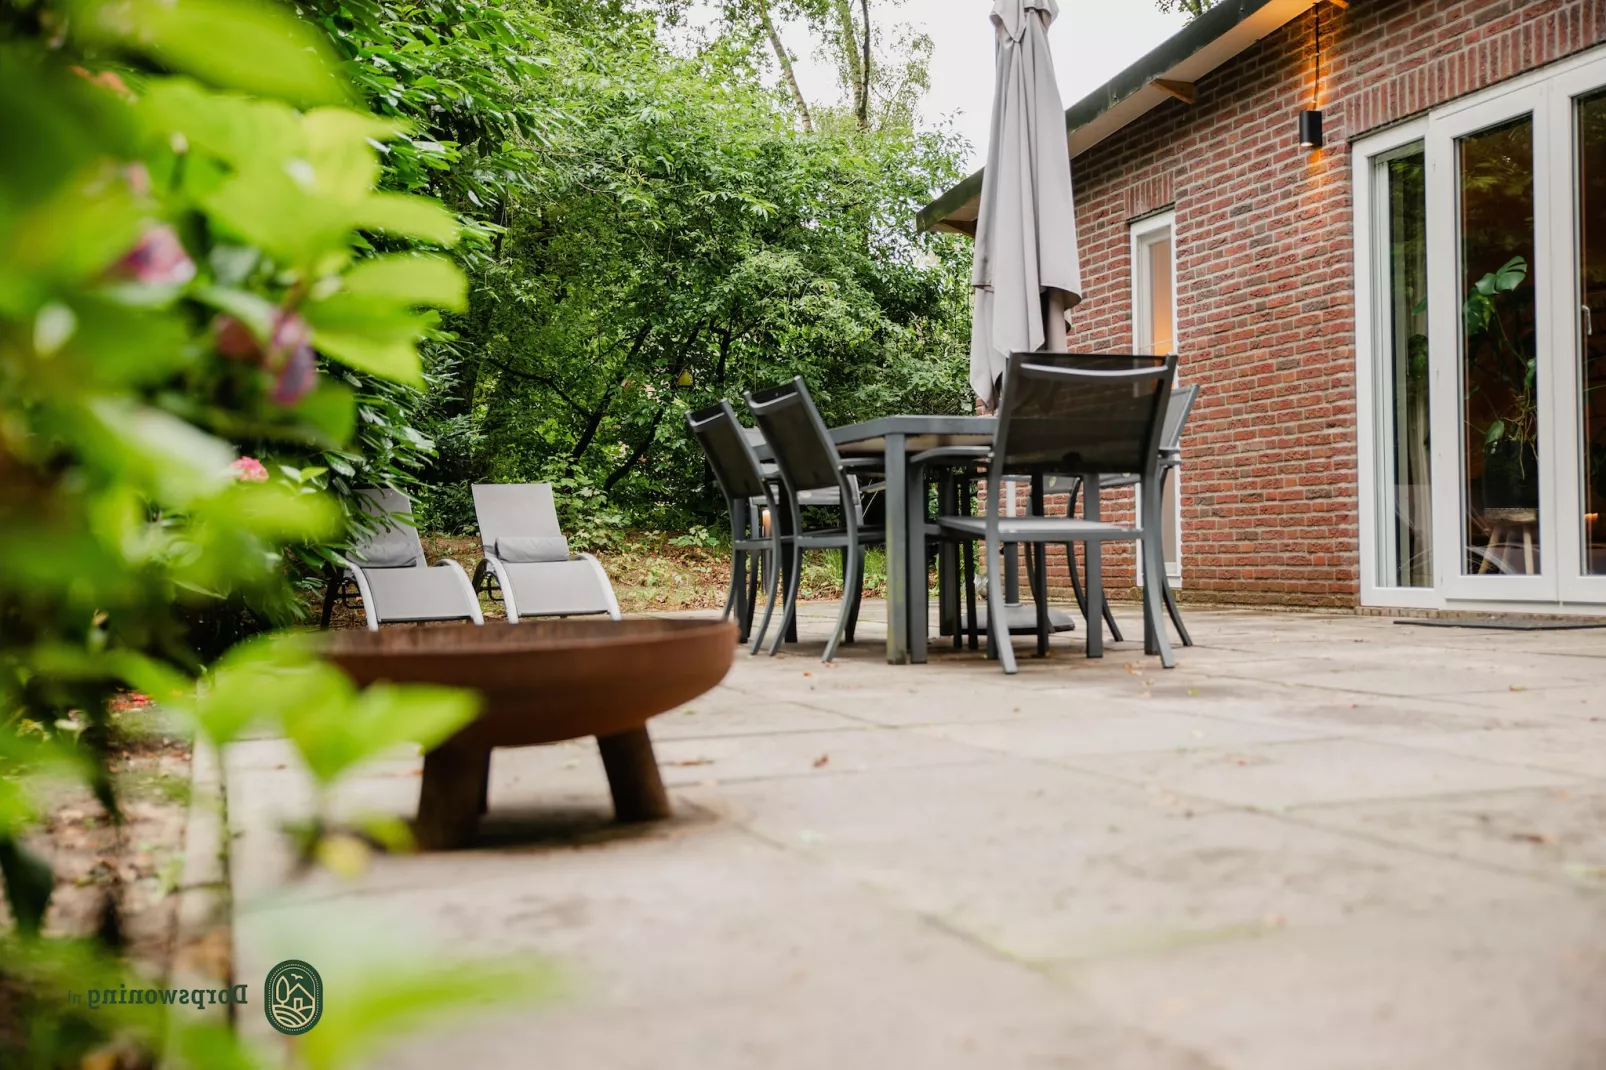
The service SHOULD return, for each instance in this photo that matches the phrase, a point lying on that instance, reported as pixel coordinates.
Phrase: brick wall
(1265, 288)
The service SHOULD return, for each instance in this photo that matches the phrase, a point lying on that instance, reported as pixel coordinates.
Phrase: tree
(1193, 8)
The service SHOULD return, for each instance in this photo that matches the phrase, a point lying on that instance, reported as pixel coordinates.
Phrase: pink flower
(157, 259)
(249, 470)
(297, 376)
(234, 339)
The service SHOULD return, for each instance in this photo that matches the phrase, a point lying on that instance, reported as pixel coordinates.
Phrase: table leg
(897, 551)
(633, 778)
(451, 795)
(919, 578)
(1094, 555)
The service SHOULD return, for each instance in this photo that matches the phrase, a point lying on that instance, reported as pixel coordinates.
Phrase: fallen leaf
(693, 761)
(1518, 687)
(1542, 838)
(821, 760)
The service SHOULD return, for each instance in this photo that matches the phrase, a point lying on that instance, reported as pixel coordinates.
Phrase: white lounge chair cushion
(532, 549)
(401, 594)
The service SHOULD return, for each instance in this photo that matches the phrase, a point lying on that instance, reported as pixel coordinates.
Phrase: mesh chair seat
(418, 593)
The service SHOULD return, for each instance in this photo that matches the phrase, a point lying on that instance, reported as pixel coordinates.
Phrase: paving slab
(1323, 841)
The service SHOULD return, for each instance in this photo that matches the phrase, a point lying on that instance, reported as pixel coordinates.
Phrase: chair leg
(852, 577)
(330, 593)
(858, 597)
(1038, 554)
(1176, 613)
(972, 626)
(1153, 599)
(789, 608)
(733, 596)
(997, 623)
(1076, 579)
(774, 577)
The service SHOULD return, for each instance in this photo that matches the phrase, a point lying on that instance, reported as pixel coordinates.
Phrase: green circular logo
(293, 997)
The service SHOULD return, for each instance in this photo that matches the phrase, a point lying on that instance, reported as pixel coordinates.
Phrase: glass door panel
(1407, 560)
(1591, 135)
(1501, 431)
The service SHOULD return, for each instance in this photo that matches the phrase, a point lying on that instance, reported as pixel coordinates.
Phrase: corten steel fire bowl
(544, 682)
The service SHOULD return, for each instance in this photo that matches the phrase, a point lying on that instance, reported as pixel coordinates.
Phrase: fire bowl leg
(452, 796)
(638, 790)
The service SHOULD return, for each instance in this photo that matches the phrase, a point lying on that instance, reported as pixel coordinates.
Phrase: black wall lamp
(1311, 135)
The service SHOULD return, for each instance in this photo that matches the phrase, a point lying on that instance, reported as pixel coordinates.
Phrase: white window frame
(1549, 94)
(1143, 233)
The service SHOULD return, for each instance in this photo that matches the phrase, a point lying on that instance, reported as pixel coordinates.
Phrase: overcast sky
(1093, 41)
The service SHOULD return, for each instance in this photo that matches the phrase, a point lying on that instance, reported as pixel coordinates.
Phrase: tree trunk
(850, 50)
(786, 67)
(864, 84)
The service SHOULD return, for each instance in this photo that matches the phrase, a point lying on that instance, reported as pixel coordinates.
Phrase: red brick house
(1404, 389)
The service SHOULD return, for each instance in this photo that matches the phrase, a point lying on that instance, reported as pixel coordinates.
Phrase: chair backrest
(792, 426)
(394, 543)
(1080, 414)
(729, 450)
(1177, 411)
(515, 509)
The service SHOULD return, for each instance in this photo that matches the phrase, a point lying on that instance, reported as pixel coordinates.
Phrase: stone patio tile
(1552, 833)
(1478, 989)
(1291, 774)
(1578, 747)
(1134, 727)
(731, 713)
(1054, 865)
(1420, 680)
(695, 967)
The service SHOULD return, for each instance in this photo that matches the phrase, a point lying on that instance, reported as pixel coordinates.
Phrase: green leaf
(410, 280)
(175, 462)
(248, 45)
(333, 740)
(1496, 432)
(402, 215)
(393, 358)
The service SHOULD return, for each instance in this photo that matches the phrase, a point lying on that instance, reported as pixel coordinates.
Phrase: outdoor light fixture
(1310, 122)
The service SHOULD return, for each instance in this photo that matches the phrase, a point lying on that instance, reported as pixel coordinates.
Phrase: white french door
(1482, 239)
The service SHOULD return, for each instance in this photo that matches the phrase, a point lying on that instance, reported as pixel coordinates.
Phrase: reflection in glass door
(1591, 133)
(1499, 351)
(1407, 560)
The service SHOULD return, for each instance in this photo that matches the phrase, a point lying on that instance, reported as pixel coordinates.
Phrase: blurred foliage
(195, 254)
(648, 232)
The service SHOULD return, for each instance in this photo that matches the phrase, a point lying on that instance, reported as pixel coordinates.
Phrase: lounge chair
(528, 556)
(392, 578)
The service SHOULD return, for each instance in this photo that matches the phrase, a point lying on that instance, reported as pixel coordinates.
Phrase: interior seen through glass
(1592, 294)
(1499, 354)
(1409, 562)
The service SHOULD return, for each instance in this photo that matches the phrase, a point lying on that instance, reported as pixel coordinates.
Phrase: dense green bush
(648, 233)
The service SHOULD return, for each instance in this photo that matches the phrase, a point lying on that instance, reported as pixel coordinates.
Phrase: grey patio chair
(1086, 416)
(1178, 409)
(528, 556)
(392, 579)
(808, 462)
(748, 495)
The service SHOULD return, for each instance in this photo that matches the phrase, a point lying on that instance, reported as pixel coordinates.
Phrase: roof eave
(1223, 32)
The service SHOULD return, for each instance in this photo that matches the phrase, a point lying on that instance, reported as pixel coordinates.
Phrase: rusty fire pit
(544, 682)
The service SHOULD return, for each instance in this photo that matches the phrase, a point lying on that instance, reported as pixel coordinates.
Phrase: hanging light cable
(1310, 122)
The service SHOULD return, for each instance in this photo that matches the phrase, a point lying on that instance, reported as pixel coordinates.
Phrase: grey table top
(921, 433)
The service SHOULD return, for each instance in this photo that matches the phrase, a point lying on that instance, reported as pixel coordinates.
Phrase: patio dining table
(895, 439)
